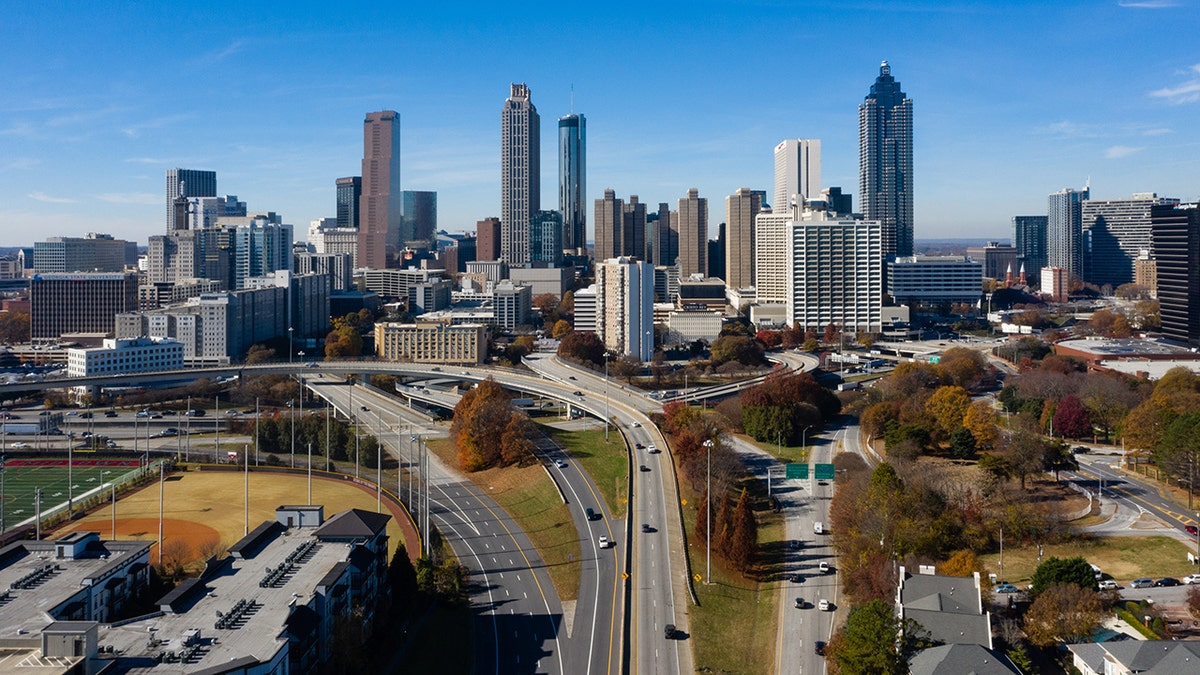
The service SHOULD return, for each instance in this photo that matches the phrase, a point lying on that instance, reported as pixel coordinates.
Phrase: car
(646, 527)
(819, 648)
(19, 445)
(824, 568)
(796, 579)
(652, 449)
(155, 416)
(1144, 582)
(170, 413)
(1192, 579)
(71, 413)
(463, 372)
(1192, 530)
(1108, 585)
(635, 425)
(570, 377)
(1167, 581)
(110, 413)
(111, 443)
(560, 464)
(1006, 588)
(1080, 449)
(669, 631)
(85, 416)
(578, 393)
(799, 603)
(795, 544)
(825, 605)
(195, 412)
(231, 411)
(591, 514)
(603, 541)
(645, 468)
(311, 364)
(142, 413)
(436, 369)
(639, 446)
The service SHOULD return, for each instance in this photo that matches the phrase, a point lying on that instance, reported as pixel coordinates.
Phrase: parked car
(1144, 582)
(825, 605)
(1006, 588)
(1108, 585)
(1167, 581)
(1192, 579)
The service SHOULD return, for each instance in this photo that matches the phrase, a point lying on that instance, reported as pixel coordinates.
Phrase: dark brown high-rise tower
(379, 206)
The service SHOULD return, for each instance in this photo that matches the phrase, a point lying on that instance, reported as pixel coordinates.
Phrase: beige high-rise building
(379, 205)
(741, 208)
(772, 264)
(797, 171)
(609, 217)
(693, 234)
(520, 174)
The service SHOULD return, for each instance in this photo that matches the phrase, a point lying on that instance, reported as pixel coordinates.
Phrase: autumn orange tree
(488, 431)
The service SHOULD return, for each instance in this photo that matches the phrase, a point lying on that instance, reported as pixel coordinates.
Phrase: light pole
(292, 410)
(70, 473)
(289, 347)
(605, 397)
(2, 494)
(708, 445)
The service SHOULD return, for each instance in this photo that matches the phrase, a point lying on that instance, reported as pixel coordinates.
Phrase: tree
(962, 443)
(868, 642)
(582, 346)
(343, 342)
(961, 564)
(1055, 570)
(948, 406)
(484, 430)
(627, 366)
(14, 327)
(567, 306)
(1071, 419)
(1025, 454)
(561, 328)
(516, 446)
(832, 334)
(259, 354)
(740, 348)
(743, 544)
(769, 338)
(547, 304)
(1063, 611)
(982, 422)
(810, 345)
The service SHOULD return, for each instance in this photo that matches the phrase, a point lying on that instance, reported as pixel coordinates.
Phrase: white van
(818, 527)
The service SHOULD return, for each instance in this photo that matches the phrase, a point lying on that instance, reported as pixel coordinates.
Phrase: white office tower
(625, 306)
(797, 171)
(837, 273)
(585, 308)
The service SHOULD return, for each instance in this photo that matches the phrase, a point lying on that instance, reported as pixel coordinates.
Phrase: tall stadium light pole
(378, 462)
(708, 445)
(310, 473)
(301, 415)
(292, 409)
(217, 426)
(328, 450)
(257, 417)
(2, 528)
(246, 525)
(37, 505)
(162, 472)
(187, 427)
(70, 474)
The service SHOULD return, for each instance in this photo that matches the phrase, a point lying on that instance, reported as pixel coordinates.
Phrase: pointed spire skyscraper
(885, 162)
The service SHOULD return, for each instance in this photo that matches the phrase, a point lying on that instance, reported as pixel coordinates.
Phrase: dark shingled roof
(961, 659)
(252, 543)
(353, 524)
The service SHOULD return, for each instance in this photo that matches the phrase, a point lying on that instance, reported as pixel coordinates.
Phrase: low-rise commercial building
(935, 279)
(137, 355)
(432, 342)
(79, 302)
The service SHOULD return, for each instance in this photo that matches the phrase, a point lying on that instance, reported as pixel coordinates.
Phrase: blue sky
(1012, 101)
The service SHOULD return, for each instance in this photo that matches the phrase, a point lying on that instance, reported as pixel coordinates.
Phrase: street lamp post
(292, 410)
(606, 397)
(708, 445)
(289, 346)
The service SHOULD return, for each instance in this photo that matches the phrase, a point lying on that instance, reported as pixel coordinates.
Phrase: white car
(560, 464)
(604, 542)
(824, 605)
(1110, 585)
(635, 425)
(1191, 579)
(18, 445)
(823, 567)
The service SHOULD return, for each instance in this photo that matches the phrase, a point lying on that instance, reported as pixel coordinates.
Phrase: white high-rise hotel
(797, 171)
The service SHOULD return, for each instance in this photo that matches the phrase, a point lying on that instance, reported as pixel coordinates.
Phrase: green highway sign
(796, 471)
(824, 471)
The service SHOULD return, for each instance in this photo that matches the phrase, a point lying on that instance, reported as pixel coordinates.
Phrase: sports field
(203, 511)
(22, 478)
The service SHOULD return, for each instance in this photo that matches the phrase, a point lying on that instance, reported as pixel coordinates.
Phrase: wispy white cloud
(1159, 131)
(1186, 92)
(1119, 151)
(1149, 4)
(1068, 129)
(130, 198)
(134, 130)
(221, 54)
(43, 197)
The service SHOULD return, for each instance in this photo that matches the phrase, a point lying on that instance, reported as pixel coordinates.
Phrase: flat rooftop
(1118, 348)
(258, 632)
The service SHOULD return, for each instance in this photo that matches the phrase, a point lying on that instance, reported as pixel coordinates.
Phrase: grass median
(606, 463)
(530, 497)
(1122, 558)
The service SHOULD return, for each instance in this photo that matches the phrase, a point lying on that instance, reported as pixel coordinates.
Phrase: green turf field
(22, 477)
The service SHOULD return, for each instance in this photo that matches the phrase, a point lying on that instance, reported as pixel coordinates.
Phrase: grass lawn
(734, 628)
(607, 463)
(785, 453)
(529, 496)
(1123, 558)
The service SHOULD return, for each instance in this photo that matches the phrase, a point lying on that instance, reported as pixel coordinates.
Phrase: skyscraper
(572, 180)
(625, 306)
(633, 229)
(608, 222)
(665, 245)
(520, 173)
(379, 206)
(836, 277)
(741, 208)
(797, 171)
(187, 183)
(545, 238)
(349, 192)
(487, 239)
(1029, 238)
(1115, 232)
(1064, 230)
(885, 162)
(419, 219)
(693, 234)
(1176, 235)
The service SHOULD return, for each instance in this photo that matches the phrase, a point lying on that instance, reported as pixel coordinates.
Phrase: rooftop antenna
(572, 98)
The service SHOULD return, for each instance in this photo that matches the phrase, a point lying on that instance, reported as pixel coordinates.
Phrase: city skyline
(90, 128)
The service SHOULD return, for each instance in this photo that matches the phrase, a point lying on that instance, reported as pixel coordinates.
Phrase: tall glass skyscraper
(572, 180)
(885, 162)
(379, 206)
(349, 192)
(419, 222)
(520, 173)
(187, 183)
(1064, 230)
(1029, 238)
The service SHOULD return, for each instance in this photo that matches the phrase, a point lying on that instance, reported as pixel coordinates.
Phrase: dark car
(646, 527)
(592, 515)
(645, 468)
(1191, 529)
(579, 393)
(1167, 581)
(639, 446)
(110, 413)
(196, 412)
(169, 413)
(85, 416)
(797, 579)
(819, 648)
(669, 631)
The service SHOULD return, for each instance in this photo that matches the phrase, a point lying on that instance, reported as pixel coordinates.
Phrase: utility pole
(708, 445)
